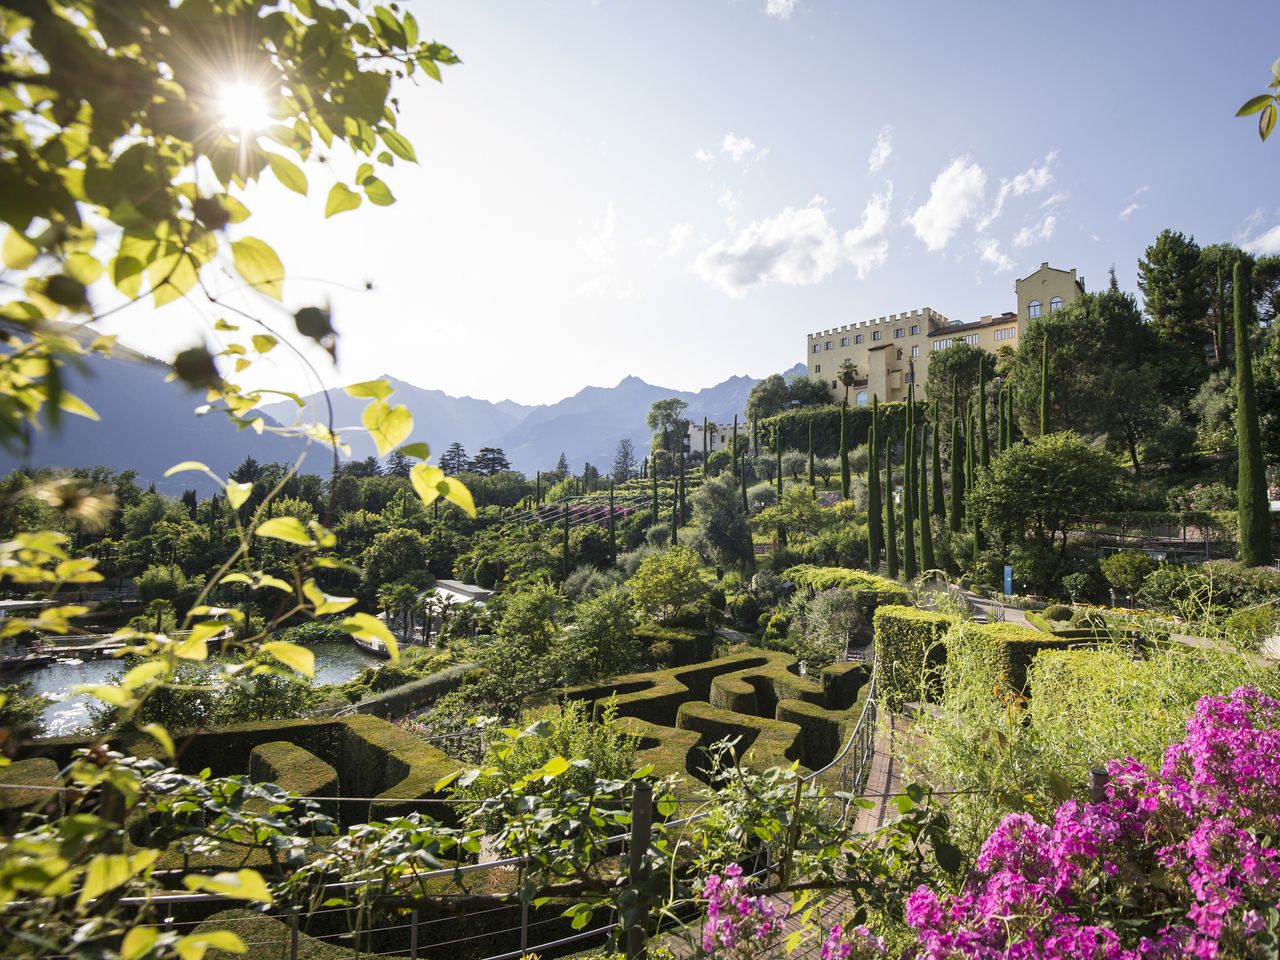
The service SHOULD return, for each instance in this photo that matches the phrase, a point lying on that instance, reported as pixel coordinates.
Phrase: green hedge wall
(794, 425)
(1010, 649)
(843, 682)
(404, 699)
(823, 732)
(869, 590)
(16, 799)
(1067, 682)
(758, 692)
(687, 646)
(762, 742)
(270, 938)
(293, 768)
(909, 652)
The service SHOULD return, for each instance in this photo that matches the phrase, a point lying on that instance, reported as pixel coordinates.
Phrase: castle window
(1055, 304)
(915, 351)
(816, 348)
(828, 345)
(857, 338)
(899, 354)
(1033, 309)
(898, 332)
(844, 341)
(833, 384)
(942, 344)
(817, 368)
(915, 328)
(875, 334)
(972, 339)
(1008, 333)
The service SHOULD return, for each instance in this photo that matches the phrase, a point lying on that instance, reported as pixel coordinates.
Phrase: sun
(244, 107)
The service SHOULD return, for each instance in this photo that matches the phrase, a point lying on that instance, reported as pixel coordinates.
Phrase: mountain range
(148, 424)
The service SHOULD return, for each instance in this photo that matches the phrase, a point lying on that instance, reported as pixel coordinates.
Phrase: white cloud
(953, 198)
(1060, 197)
(601, 245)
(1031, 180)
(730, 200)
(1266, 243)
(991, 254)
(677, 239)
(881, 152)
(798, 247)
(1131, 205)
(780, 9)
(1038, 233)
(738, 148)
(866, 246)
(604, 287)
(704, 157)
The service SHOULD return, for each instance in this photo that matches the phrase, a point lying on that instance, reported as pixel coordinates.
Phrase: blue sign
(1008, 581)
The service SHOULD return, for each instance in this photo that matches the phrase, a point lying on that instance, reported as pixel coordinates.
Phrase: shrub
(743, 610)
(909, 650)
(1058, 611)
(415, 694)
(1078, 586)
(1127, 569)
(668, 585)
(1009, 649)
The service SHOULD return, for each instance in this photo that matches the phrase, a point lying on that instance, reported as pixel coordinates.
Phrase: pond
(336, 662)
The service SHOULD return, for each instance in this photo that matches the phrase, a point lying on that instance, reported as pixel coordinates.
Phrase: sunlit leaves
(431, 483)
(288, 173)
(293, 656)
(398, 145)
(377, 192)
(241, 885)
(237, 493)
(1265, 105)
(107, 871)
(341, 198)
(365, 627)
(259, 265)
(195, 366)
(288, 529)
(388, 426)
(377, 389)
(18, 252)
(322, 603)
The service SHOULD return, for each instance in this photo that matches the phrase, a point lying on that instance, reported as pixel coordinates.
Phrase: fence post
(641, 827)
(413, 934)
(293, 934)
(1098, 780)
(524, 927)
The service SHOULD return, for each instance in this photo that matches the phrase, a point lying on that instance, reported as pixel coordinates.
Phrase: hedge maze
(758, 698)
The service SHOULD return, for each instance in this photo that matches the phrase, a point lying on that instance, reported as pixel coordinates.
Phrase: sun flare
(244, 106)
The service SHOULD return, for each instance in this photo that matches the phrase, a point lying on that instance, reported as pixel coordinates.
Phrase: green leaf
(73, 404)
(194, 945)
(378, 389)
(237, 493)
(296, 658)
(363, 626)
(554, 767)
(445, 781)
(378, 192)
(398, 145)
(264, 342)
(137, 942)
(107, 692)
(106, 872)
(322, 602)
(18, 252)
(259, 265)
(1267, 122)
(419, 451)
(288, 529)
(241, 885)
(1254, 104)
(341, 198)
(160, 735)
(430, 483)
(288, 173)
(388, 426)
(192, 648)
(186, 465)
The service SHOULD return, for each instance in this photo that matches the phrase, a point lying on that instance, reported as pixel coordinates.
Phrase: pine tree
(927, 559)
(562, 465)
(873, 490)
(1044, 385)
(1251, 483)
(844, 451)
(939, 502)
(812, 482)
(890, 530)
(613, 537)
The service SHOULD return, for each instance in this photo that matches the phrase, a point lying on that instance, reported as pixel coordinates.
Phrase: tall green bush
(909, 652)
(1251, 483)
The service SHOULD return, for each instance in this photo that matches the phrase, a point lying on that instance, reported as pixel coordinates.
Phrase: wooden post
(641, 828)
(293, 934)
(1098, 780)
(413, 934)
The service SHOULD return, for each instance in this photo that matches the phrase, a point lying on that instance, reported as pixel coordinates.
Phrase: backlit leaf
(378, 389)
(18, 252)
(341, 198)
(378, 192)
(388, 426)
(295, 657)
(186, 465)
(419, 451)
(1254, 104)
(288, 173)
(363, 626)
(241, 885)
(237, 493)
(398, 145)
(259, 265)
(288, 529)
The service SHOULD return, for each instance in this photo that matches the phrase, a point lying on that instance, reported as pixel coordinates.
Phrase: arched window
(860, 398)
(1033, 309)
(1055, 304)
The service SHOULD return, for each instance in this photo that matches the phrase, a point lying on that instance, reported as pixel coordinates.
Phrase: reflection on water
(336, 662)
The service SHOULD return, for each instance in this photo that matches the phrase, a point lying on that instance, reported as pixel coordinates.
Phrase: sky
(683, 190)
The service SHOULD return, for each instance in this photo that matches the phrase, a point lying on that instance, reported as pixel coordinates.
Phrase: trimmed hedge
(794, 427)
(758, 692)
(909, 652)
(869, 590)
(842, 683)
(293, 768)
(687, 646)
(823, 732)
(401, 700)
(23, 774)
(270, 938)
(1058, 678)
(1010, 649)
(762, 742)
(668, 750)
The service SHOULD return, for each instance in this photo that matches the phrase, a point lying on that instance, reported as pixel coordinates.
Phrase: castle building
(889, 353)
(719, 436)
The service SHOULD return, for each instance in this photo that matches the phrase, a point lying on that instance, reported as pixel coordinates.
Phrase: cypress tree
(1044, 384)
(733, 452)
(1251, 484)
(985, 448)
(675, 520)
(909, 493)
(777, 451)
(811, 479)
(1220, 332)
(755, 436)
(890, 531)
(873, 490)
(1000, 431)
(680, 481)
(844, 451)
(705, 452)
(538, 487)
(653, 473)
(939, 503)
(927, 559)
(613, 540)
(1012, 420)
(957, 477)
(745, 509)
(566, 540)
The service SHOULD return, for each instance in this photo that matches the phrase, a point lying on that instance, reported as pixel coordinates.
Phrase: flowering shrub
(737, 924)
(851, 943)
(1179, 862)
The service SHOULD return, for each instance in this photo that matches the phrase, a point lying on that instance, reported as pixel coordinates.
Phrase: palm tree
(847, 373)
